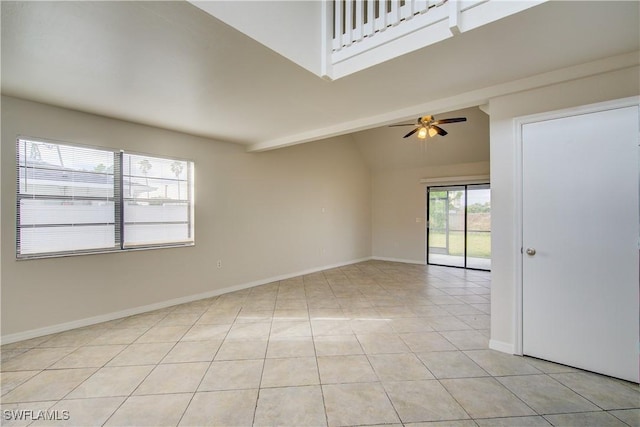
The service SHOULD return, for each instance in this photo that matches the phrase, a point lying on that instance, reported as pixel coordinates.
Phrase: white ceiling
(171, 65)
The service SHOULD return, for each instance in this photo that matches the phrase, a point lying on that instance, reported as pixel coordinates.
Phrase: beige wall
(398, 199)
(602, 87)
(261, 214)
(398, 165)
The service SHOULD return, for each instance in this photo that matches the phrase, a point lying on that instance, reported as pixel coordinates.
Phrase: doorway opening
(459, 226)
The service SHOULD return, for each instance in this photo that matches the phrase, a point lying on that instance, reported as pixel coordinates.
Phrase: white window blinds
(157, 200)
(73, 199)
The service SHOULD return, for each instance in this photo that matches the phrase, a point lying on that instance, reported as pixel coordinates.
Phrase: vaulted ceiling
(171, 65)
(466, 142)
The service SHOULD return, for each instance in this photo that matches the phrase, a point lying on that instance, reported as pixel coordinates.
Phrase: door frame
(466, 186)
(518, 123)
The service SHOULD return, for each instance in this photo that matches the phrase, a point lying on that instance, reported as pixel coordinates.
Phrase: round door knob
(531, 251)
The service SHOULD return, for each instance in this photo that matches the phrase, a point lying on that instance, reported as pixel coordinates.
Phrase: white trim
(488, 11)
(326, 15)
(61, 327)
(517, 226)
(446, 180)
(502, 346)
(519, 122)
(405, 261)
(579, 110)
(454, 17)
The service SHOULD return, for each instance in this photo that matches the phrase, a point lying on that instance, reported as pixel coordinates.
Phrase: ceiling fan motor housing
(428, 125)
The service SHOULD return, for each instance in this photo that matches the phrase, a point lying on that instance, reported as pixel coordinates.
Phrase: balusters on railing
(355, 20)
(362, 33)
(370, 26)
(381, 21)
(337, 24)
(358, 32)
(348, 23)
(395, 13)
(407, 10)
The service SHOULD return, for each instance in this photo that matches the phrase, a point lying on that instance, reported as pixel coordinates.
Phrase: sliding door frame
(464, 186)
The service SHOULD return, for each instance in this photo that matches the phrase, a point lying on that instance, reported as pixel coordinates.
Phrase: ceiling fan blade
(403, 124)
(440, 131)
(411, 133)
(454, 120)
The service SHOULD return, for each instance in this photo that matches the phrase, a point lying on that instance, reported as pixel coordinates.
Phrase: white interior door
(580, 229)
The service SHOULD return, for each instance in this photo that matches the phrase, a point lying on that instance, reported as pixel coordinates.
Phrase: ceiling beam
(465, 100)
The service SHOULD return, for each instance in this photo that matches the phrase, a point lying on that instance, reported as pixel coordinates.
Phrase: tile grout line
(150, 372)
(203, 375)
(315, 352)
(82, 382)
(264, 359)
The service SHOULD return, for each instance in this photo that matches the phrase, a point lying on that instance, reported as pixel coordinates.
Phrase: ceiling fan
(428, 125)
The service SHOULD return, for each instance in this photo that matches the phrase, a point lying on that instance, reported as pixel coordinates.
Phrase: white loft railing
(356, 34)
(363, 33)
(355, 20)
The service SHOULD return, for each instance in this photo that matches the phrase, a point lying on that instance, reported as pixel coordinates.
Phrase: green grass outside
(478, 244)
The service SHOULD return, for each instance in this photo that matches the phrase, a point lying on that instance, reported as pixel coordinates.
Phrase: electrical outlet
(219, 263)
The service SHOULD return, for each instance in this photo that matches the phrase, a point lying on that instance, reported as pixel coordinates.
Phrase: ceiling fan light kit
(428, 125)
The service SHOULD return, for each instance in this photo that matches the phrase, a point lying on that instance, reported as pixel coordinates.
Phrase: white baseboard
(502, 346)
(61, 327)
(405, 261)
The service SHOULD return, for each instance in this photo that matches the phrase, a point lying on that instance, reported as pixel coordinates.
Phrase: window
(157, 200)
(73, 199)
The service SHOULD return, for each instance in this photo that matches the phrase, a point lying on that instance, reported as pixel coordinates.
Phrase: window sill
(103, 252)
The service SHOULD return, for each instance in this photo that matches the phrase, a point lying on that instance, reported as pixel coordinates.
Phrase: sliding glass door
(445, 232)
(459, 226)
(479, 226)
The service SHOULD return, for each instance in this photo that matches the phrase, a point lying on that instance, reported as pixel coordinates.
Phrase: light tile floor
(374, 343)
